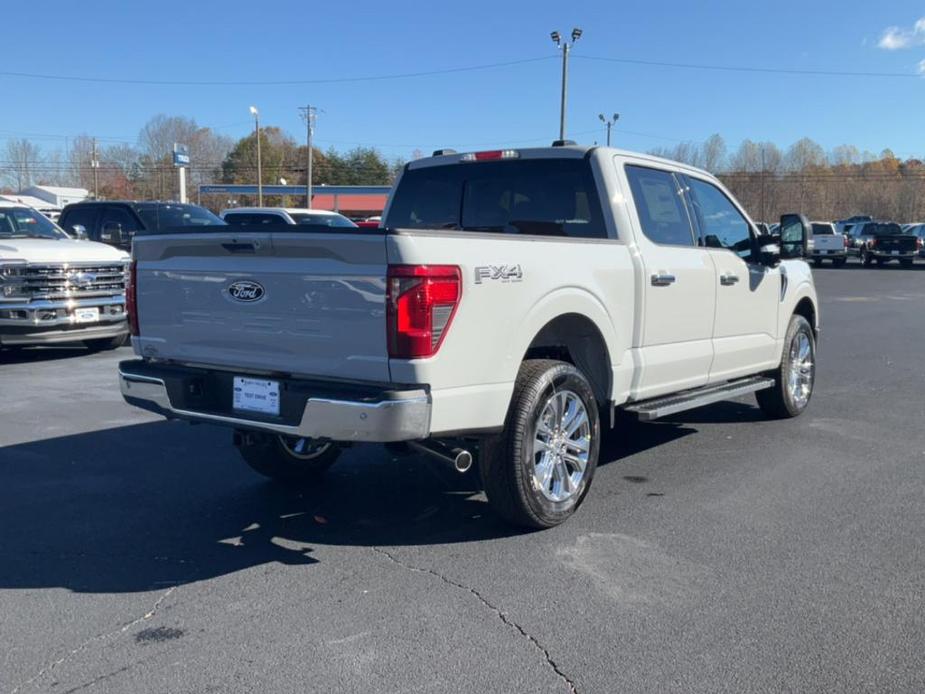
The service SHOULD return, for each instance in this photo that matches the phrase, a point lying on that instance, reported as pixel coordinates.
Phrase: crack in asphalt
(94, 639)
(498, 613)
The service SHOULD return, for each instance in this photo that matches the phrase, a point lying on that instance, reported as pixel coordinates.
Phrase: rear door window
(548, 197)
(660, 206)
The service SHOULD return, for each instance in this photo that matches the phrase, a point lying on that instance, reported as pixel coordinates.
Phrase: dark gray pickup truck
(883, 242)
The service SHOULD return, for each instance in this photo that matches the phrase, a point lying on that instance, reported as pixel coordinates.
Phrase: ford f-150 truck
(511, 303)
(56, 289)
(829, 245)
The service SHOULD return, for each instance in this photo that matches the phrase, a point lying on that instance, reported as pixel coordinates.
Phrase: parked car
(498, 314)
(56, 289)
(883, 242)
(918, 231)
(117, 222)
(285, 215)
(827, 245)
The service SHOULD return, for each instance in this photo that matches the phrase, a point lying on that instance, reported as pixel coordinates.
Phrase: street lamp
(609, 124)
(256, 114)
(566, 46)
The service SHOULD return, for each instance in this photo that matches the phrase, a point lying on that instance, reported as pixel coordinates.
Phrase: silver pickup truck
(511, 303)
(55, 289)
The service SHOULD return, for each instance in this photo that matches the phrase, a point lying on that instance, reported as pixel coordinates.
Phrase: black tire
(507, 461)
(906, 262)
(104, 344)
(865, 258)
(839, 262)
(778, 402)
(273, 457)
(817, 262)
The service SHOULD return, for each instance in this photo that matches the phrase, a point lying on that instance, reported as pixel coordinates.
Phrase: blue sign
(180, 155)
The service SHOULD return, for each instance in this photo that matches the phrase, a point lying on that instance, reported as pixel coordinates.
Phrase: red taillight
(872, 243)
(845, 239)
(421, 301)
(131, 299)
(919, 243)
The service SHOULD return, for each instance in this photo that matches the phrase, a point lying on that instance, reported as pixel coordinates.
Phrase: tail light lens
(131, 299)
(845, 239)
(421, 303)
(872, 243)
(919, 243)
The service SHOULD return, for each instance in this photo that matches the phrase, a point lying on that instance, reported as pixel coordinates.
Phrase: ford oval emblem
(246, 291)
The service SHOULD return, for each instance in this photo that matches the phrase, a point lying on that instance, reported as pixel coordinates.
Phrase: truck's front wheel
(796, 376)
(539, 470)
(287, 458)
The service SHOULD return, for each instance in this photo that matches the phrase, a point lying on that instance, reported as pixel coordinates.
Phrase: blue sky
(237, 41)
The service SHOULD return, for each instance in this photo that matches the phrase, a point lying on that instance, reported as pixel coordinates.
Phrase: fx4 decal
(505, 273)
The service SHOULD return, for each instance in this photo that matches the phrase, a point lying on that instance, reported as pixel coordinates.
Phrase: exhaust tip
(463, 461)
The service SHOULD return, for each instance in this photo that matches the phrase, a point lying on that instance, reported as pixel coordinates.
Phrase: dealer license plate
(87, 315)
(256, 395)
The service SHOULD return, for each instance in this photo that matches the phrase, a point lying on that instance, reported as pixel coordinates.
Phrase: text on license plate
(256, 395)
(86, 315)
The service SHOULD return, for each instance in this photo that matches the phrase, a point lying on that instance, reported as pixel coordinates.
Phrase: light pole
(309, 113)
(609, 123)
(566, 46)
(256, 114)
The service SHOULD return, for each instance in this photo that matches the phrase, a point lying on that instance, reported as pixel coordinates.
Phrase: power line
(271, 83)
(747, 68)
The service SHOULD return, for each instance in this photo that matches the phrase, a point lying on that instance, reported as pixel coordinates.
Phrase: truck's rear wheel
(796, 376)
(287, 458)
(539, 470)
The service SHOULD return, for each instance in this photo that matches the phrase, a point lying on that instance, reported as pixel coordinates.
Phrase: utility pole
(95, 165)
(566, 47)
(308, 115)
(256, 114)
(609, 124)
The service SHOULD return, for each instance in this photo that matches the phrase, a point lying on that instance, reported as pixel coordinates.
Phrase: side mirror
(111, 233)
(80, 232)
(796, 236)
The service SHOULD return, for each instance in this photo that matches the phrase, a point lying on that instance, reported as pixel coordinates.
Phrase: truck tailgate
(303, 303)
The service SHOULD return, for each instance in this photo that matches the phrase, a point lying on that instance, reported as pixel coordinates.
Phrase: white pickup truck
(829, 245)
(56, 289)
(511, 303)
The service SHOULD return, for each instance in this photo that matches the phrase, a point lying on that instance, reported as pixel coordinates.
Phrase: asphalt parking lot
(717, 552)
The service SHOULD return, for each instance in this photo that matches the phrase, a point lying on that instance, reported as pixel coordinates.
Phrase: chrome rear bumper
(403, 416)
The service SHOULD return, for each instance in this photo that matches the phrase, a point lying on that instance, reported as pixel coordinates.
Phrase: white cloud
(896, 38)
(922, 68)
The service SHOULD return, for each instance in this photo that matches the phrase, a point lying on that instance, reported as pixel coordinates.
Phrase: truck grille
(68, 281)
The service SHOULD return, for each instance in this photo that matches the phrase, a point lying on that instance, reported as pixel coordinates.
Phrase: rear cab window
(238, 218)
(823, 230)
(546, 197)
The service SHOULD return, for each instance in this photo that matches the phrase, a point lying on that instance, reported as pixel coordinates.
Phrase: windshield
(24, 222)
(552, 197)
(158, 217)
(327, 220)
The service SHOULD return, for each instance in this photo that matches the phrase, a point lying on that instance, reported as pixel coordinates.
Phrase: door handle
(663, 279)
(728, 279)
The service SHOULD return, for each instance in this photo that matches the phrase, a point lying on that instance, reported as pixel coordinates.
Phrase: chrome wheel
(303, 448)
(802, 369)
(561, 446)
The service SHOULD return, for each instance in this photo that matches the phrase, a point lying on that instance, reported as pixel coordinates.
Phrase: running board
(689, 399)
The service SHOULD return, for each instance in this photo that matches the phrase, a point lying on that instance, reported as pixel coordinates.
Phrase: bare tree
(22, 158)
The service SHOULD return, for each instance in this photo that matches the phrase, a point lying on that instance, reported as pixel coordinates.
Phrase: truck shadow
(29, 355)
(139, 507)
